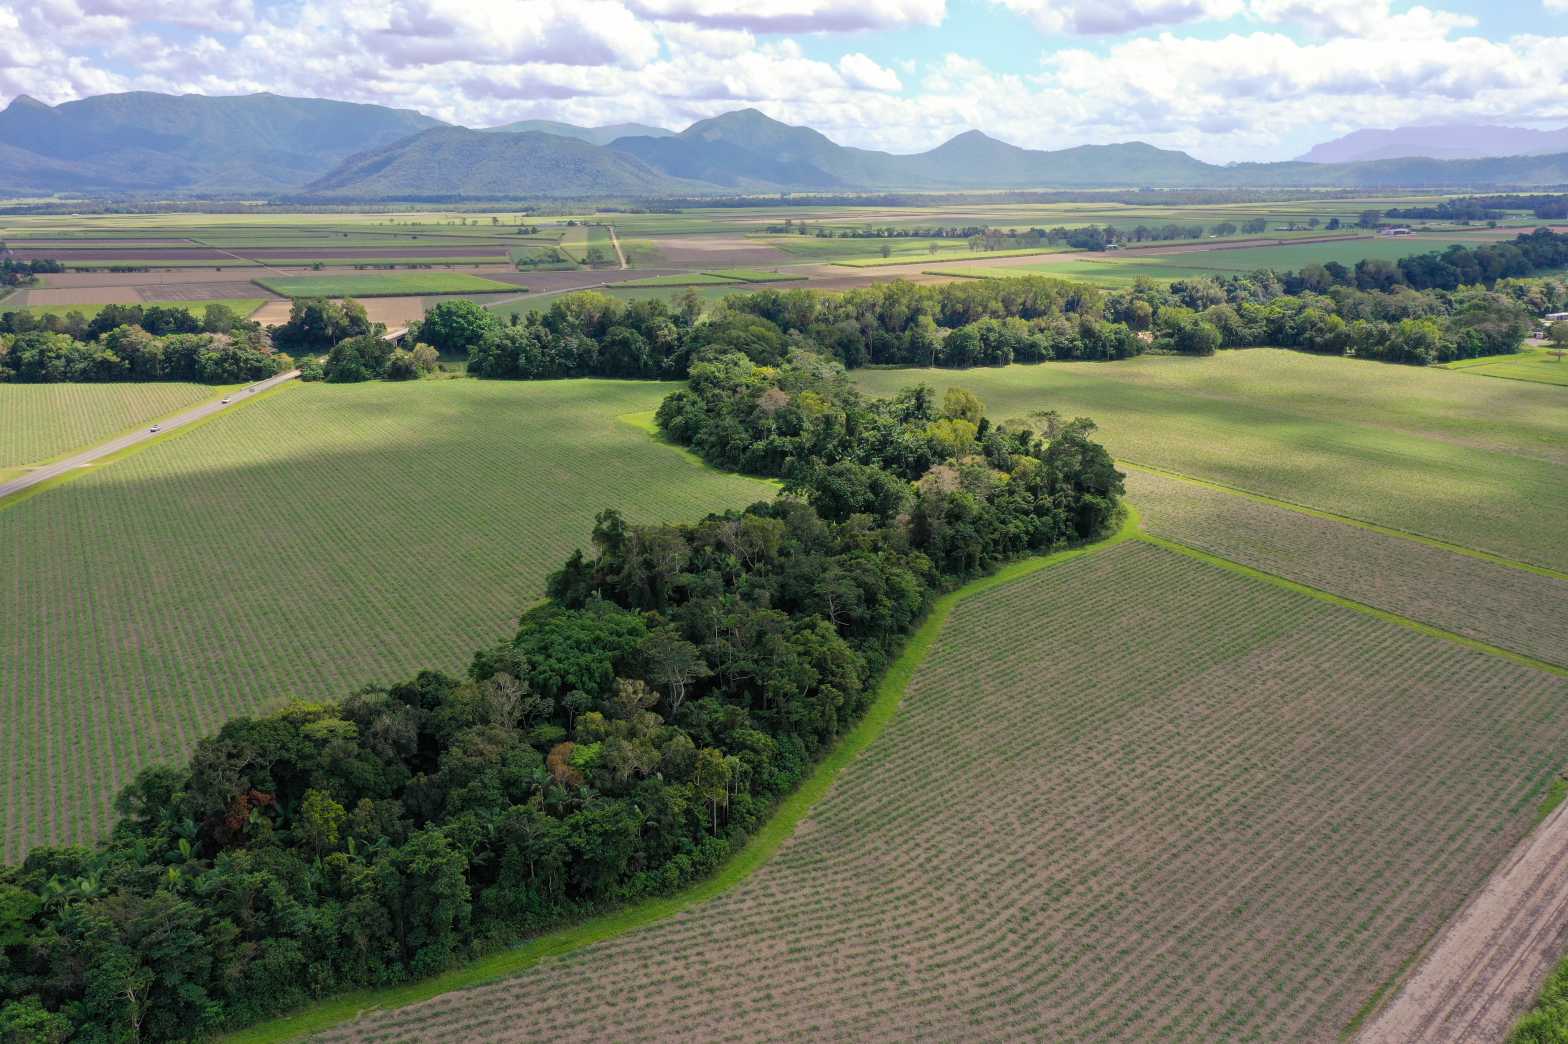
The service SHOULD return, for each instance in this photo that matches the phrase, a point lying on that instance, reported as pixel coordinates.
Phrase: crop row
(41, 421)
(1130, 797)
(1518, 610)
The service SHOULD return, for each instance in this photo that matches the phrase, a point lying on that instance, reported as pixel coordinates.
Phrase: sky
(1226, 80)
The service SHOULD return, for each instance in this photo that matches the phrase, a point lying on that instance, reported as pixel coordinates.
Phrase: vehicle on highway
(225, 401)
(155, 427)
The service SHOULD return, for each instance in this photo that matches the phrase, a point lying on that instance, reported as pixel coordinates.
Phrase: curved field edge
(757, 851)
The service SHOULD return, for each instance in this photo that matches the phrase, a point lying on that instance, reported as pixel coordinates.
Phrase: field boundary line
(92, 468)
(778, 828)
(1350, 603)
(1349, 520)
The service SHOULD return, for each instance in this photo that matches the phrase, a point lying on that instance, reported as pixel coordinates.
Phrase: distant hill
(454, 161)
(145, 143)
(1415, 173)
(1456, 141)
(592, 135)
(142, 140)
(762, 151)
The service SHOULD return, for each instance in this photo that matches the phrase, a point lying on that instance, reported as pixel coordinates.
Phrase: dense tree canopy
(634, 730)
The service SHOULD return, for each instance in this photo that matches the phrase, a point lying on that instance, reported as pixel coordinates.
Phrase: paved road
(86, 457)
(1489, 963)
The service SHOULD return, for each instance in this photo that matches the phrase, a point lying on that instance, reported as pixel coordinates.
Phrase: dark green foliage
(131, 353)
(635, 729)
(454, 328)
(316, 324)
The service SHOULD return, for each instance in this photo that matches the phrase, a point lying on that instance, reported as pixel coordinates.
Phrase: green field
(1535, 364)
(243, 306)
(1478, 463)
(1193, 807)
(39, 422)
(392, 284)
(305, 544)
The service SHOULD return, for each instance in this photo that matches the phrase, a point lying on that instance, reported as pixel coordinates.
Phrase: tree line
(635, 730)
(22, 273)
(1427, 308)
(137, 343)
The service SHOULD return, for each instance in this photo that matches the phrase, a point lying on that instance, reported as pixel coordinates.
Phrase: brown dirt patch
(213, 291)
(82, 296)
(1131, 797)
(1484, 971)
(716, 251)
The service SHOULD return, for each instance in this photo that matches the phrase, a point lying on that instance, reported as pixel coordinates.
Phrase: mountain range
(144, 143)
(1442, 141)
(592, 135)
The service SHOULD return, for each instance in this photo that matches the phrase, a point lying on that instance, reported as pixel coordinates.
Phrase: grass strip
(1350, 603)
(757, 851)
(1403, 534)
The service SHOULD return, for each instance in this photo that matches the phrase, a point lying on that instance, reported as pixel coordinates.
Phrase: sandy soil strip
(1487, 966)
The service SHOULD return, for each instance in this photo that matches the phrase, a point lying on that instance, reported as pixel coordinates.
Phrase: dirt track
(1490, 961)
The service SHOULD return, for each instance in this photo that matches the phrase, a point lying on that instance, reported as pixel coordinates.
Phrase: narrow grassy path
(761, 847)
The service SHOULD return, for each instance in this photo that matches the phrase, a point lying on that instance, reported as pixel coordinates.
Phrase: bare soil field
(81, 296)
(1511, 608)
(1486, 967)
(721, 251)
(1130, 797)
(213, 291)
(117, 254)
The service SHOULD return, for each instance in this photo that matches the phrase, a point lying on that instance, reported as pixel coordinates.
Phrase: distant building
(1557, 317)
(1396, 232)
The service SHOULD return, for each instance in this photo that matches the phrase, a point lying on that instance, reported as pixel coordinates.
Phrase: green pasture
(1538, 365)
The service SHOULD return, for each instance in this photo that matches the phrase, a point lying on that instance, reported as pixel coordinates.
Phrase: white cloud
(1104, 17)
(859, 70)
(1365, 18)
(669, 62)
(797, 16)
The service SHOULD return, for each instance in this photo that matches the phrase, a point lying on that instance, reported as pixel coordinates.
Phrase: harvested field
(64, 298)
(1130, 797)
(199, 291)
(1517, 610)
(388, 284)
(247, 561)
(718, 251)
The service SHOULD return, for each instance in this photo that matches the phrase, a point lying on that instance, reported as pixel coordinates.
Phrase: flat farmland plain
(39, 422)
(1473, 462)
(1511, 608)
(1131, 796)
(308, 543)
